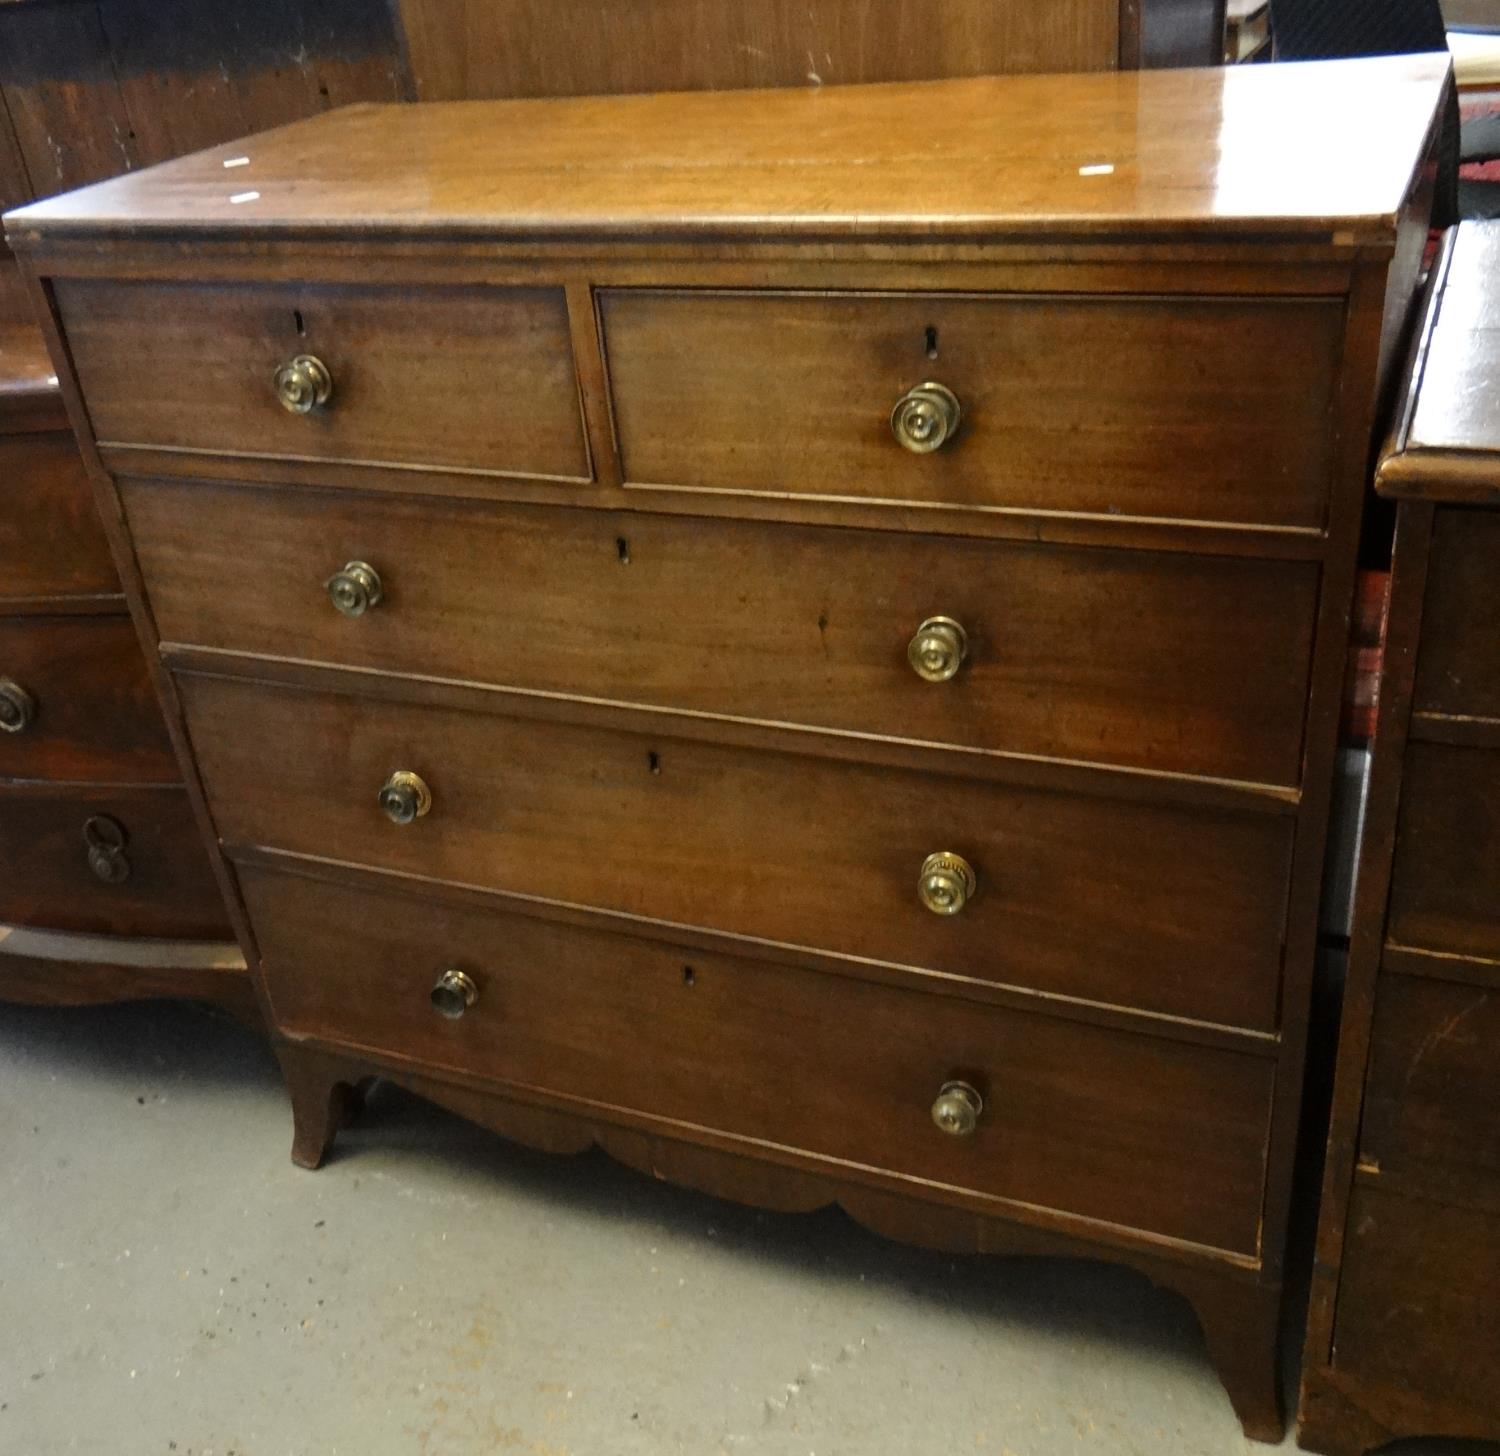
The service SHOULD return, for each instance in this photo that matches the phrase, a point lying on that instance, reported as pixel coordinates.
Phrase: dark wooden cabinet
(810, 664)
(1404, 1335)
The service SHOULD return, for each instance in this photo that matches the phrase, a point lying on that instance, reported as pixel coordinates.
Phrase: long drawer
(1458, 665)
(1149, 906)
(51, 542)
(80, 704)
(1203, 409)
(470, 378)
(1136, 1130)
(1149, 659)
(158, 881)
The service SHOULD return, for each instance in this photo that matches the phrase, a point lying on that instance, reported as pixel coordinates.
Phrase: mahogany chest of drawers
(106, 892)
(1404, 1336)
(794, 636)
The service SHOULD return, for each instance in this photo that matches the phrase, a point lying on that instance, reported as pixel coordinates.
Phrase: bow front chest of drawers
(794, 636)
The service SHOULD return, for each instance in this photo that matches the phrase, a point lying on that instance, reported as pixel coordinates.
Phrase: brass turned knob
(926, 418)
(938, 650)
(453, 993)
(404, 797)
(947, 882)
(17, 707)
(355, 589)
(957, 1108)
(302, 384)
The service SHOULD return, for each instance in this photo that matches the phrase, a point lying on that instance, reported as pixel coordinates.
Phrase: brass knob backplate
(938, 650)
(105, 839)
(302, 384)
(355, 589)
(947, 882)
(17, 707)
(404, 797)
(956, 1109)
(926, 418)
(453, 993)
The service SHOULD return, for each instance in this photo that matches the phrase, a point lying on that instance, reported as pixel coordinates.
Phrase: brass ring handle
(938, 650)
(957, 1108)
(404, 797)
(947, 882)
(302, 384)
(17, 707)
(926, 418)
(105, 839)
(453, 993)
(354, 589)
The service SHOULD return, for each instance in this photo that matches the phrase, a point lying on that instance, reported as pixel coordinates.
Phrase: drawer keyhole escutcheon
(926, 418)
(303, 384)
(938, 649)
(453, 993)
(404, 797)
(947, 882)
(355, 589)
(17, 707)
(956, 1109)
(106, 839)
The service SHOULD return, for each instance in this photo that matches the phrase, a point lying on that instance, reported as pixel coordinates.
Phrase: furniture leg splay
(795, 637)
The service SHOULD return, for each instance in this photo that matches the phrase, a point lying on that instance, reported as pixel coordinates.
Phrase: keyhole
(931, 342)
(653, 762)
(689, 976)
(300, 323)
(622, 549)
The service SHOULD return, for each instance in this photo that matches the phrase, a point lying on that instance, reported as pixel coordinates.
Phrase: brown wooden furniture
(105, 891)
(1404, 1335)
(796, 636)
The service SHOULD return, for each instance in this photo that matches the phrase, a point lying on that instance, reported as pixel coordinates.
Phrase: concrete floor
(169, 1282)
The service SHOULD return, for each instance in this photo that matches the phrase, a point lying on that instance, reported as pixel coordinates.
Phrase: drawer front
(1447, 864)
(1416, 1302)
(48, 882)
(1191, 408)
(474, 378)
(1433, 1087)
(1458, 662)
(51, 542)
(1150, 659)
(1152, 907)
(1140, 1131)
(87, 705)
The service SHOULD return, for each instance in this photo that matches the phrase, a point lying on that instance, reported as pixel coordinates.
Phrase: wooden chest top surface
(1320, 152)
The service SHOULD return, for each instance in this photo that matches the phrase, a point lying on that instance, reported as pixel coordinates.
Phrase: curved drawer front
(467, 378)
(154, 878)
(1202, 409)
(86, 706)
(1147, 659)
(1148, 906)
(1136, 1130)
(51, 542)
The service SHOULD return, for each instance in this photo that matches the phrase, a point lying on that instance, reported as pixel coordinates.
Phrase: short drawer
(1148, 659)
(1416, 1301)
(1433, 1088)
(1458, 662)
(1203, 409)
(77, 703)
(1139, 1131)
(162, 884)
(1447, 859)
(465, 378)
(51, 542)
(1149, 906)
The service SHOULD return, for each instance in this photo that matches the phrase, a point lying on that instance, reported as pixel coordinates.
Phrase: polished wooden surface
(599, 762)
(1304, 151)
(50, 538)
(591, 1019)
(775, 394)
(797, 626)
(1403, 1336)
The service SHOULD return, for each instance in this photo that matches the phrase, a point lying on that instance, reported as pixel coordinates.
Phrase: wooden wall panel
(486, 48)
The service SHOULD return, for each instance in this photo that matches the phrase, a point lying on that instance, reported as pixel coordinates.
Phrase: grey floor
(170, 1283)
